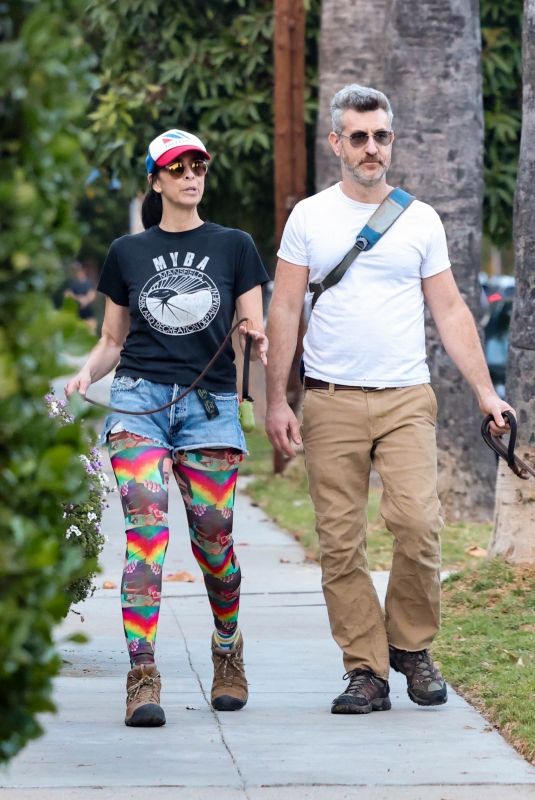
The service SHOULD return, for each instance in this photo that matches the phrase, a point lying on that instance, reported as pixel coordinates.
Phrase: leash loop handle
(246, 363)
(521, 469)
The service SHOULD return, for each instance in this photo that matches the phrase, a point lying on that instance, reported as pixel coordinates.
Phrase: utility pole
(290, 145)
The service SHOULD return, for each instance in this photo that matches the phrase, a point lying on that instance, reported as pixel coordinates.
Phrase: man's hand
(490, 403)
(282, 428)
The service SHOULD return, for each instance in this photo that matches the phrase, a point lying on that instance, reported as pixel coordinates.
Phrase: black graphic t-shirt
(181, 290)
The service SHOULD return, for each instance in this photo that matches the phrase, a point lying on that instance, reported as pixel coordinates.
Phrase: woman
(171, 295)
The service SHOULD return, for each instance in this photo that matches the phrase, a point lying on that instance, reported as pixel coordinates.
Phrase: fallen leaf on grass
(511, 656)
(109, 585)
(476, 551)
(182, 577)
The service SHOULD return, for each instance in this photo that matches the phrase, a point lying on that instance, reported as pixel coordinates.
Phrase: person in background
(82, 289)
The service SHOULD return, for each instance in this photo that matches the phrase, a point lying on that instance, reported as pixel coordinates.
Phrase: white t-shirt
(368, 329)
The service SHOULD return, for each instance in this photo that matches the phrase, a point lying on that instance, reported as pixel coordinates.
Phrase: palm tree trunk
(514, 529)
(352, 49)
(425, 55)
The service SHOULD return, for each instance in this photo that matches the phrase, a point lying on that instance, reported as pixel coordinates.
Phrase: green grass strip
(486, 646)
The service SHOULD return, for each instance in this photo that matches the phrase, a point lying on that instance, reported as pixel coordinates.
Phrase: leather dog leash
(507, 452)
(195, 383)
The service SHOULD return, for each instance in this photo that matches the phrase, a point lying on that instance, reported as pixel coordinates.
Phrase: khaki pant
(344, 433)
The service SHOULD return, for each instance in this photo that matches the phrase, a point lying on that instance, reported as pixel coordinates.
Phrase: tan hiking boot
(229, 689)
(143, 709)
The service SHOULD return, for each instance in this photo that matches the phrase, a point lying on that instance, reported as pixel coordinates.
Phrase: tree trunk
(352, 49)
(290, 150)
(425, 55)
(514, 524)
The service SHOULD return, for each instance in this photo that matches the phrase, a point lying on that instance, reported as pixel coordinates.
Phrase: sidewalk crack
(212, 710)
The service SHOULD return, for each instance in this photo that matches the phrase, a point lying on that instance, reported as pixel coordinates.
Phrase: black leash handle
(520, 468)
(246, 362)
(198, 379)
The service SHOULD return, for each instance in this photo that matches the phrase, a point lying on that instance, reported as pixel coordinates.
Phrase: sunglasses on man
(178, 168)
(360, 138)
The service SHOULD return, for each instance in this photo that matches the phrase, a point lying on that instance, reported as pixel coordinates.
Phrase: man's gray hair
(358, 98)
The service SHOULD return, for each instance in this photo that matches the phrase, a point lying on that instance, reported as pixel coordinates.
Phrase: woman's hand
(260, 343)
(249, 308)
(80, 383)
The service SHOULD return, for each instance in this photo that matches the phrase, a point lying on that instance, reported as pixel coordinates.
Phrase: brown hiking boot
(229, 689)
(365, 692)
(425, 684)
(143, 709)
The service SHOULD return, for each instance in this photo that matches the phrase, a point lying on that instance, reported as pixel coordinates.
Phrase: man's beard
(361, 177)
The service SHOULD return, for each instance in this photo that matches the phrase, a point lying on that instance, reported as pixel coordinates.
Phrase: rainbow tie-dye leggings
(207, 483)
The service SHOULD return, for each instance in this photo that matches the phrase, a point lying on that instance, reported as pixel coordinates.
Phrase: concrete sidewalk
(285, 745)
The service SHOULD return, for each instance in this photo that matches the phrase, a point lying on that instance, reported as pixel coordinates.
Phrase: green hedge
(501, 29)
(46, 70)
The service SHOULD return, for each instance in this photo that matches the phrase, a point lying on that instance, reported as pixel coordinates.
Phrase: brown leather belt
(316, 383)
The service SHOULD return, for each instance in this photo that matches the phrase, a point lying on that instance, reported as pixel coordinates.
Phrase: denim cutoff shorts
(183, 426)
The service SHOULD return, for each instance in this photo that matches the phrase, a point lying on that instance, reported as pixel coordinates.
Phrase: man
(368, 401)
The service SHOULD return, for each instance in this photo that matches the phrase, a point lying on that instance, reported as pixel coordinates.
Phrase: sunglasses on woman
(178, 168)
(360, 138)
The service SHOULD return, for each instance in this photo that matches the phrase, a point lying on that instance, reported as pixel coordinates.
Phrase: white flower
(91, 516)
(73, 531)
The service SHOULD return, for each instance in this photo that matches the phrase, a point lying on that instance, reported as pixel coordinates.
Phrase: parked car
(499, 291)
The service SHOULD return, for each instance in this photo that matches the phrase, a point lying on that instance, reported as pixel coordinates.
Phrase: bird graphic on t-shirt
(183, 308)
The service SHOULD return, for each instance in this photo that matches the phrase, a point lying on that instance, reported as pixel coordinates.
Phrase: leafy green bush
(45, 68)
(501, 29)
(207, 67)
(83, 520)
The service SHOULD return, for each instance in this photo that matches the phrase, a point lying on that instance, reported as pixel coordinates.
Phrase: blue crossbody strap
(380, 221)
